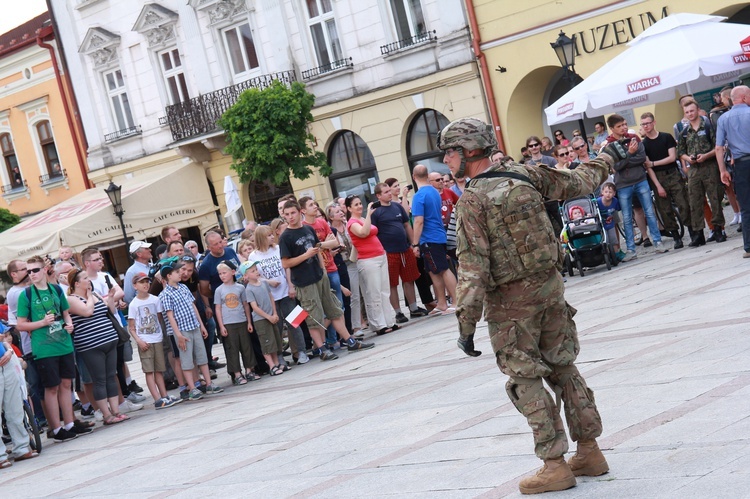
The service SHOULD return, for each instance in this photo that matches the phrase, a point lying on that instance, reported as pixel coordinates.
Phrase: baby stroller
(584, 237)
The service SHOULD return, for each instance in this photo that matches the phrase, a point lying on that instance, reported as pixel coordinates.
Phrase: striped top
(90, 332)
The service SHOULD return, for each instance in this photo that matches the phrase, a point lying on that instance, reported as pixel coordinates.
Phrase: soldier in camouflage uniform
(696, 148)
(509, 268)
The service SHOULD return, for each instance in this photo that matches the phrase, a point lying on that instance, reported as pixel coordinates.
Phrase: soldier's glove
(467, 345)
(618, 149)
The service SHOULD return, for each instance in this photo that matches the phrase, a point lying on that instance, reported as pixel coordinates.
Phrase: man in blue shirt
(430, 240)
(732, 131)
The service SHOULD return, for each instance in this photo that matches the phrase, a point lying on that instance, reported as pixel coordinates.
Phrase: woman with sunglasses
(96, 340)
(560, 139)
(534, 146)
(563, 156)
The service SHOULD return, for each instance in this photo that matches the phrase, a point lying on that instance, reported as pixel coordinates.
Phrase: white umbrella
(683, 52)
(231, 196)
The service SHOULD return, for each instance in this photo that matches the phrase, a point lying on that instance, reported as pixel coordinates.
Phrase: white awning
(174, 195)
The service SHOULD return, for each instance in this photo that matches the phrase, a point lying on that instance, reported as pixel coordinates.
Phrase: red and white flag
(296, 316)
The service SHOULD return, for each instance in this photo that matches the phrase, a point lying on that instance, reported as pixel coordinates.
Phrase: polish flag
(297, 316)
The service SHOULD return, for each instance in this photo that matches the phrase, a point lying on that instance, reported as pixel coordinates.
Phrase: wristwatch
(415, 245)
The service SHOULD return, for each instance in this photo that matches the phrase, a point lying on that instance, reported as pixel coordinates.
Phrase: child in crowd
(144, 323)
(233, 322)
(608, 205)
(264, 316)
(188, 330)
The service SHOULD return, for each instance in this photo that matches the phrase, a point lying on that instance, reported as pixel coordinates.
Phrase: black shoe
(719, 235)
(171, 385)
(678, 242)
(698, 239)
(401, 318)
(419, 312)
(739, 228)
(647, 243)
(133, 387)
(712, 237)
(82, 427)
(77, 405)
(216, 365)
(64, 435)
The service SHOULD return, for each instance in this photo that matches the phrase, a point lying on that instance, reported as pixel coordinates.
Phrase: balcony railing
(327, 68)
(121, 134)
(18, 186)
(53, 177)
(418, 39)
(199, 115)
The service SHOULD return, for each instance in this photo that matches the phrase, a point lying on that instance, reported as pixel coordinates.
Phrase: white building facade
(151, 78)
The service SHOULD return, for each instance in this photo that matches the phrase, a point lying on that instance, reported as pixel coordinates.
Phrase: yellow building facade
(525, 73)
(42, 161)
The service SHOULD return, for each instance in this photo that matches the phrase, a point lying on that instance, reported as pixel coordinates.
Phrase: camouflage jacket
(694, 142)
(503, 232)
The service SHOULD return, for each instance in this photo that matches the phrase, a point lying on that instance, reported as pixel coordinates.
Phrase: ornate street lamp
(114, 192)
(565, 50)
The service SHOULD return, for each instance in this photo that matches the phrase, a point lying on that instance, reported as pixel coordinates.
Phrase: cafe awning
(174, 195)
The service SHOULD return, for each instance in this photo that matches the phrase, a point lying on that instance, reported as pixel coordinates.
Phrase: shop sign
(740, 59)
(745, 44)
(615, 33)
(172, 214)
(565, 108)
(107, 229)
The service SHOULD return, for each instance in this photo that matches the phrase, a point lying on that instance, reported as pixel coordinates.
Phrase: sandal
(112, 420)
(240, 380)
(121, 417)
(435, 311)
(383, 331)
(395, 327)
(5, 464)
(284, 368)
(251, 376)
(276, 370)
(29, 455)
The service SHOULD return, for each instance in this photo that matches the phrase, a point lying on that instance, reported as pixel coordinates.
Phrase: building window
(240, 49)
(323, 31)
(10, 162)
(421, 141)
(354, 170)
(407, 18)
(174, 77)
(49, 151)
(118, 100)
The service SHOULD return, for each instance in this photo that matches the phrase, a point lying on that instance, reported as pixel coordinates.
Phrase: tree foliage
(8, 219)
(268, 136)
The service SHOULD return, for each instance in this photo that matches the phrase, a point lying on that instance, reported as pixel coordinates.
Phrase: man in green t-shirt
(43, 311)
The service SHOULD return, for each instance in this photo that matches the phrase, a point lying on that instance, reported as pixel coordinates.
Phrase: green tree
(8, 219)
(268, 136)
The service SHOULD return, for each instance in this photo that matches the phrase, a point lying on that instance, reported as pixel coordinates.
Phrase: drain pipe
(44, 33)
(485, 73)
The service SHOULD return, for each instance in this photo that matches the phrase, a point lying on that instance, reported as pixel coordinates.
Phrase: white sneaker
(302, 358)
(98, 415)
(736, 220)
(659, 247)
(129, 406)
(629, 255)
(136, 397)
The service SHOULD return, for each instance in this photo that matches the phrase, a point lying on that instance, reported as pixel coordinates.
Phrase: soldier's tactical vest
(522, 240)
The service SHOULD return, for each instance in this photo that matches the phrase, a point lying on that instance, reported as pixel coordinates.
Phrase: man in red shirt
(448, 197)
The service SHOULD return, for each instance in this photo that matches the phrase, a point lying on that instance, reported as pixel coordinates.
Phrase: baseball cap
(140, 276)
(246, 266)
(136, 245)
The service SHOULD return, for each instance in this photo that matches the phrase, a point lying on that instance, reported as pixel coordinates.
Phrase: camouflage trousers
(704, 182)
(677, 193)
(533, 336)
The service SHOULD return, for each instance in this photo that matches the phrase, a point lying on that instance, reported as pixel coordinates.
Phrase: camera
(409, 187)
(376, 204)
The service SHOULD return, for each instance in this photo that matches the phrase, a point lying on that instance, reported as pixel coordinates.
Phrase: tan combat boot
(554, 475)
(588, 460)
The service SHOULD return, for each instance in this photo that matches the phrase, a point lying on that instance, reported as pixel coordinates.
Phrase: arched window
(10, 162)
(49, 151)
(264, 197)
(354, 170)
(421, 141)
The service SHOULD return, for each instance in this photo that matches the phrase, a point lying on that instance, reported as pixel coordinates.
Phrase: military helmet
(469, 133)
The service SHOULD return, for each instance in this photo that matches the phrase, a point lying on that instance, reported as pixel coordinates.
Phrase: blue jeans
(742, 189)
(333, 278)
(625, 195)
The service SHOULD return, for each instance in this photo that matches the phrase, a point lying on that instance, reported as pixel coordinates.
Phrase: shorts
(268, 335)
(319, 302)
(83, 371)
(435, 257)
(195, 351)
(403, 265)
(152, 360)
(175, 348)
(52, 370)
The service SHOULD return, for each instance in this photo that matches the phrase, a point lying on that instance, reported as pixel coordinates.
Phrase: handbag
(123, 336)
